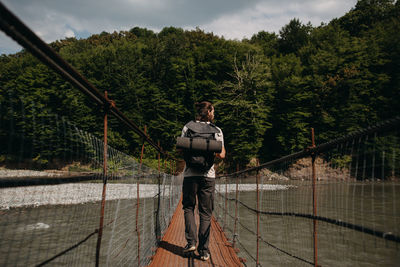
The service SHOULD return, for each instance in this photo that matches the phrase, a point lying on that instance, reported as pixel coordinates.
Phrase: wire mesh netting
(53, 216)
(357, 212)
(57, 204)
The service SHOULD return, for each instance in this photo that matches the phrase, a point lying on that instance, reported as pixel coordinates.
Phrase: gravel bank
(66, 194)
(77, 193)
(252, 187)
(29, 173)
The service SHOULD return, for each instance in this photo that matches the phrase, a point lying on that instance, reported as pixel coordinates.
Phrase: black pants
(203, 188)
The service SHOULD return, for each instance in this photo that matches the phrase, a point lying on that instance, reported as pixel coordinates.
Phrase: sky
(233, 19)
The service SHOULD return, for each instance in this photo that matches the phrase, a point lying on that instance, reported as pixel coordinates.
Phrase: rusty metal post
(141, 153)
(158, 157)
(258, 214)
(236, 207)
(173, 188)
(138, 199)
(226, 201)
(158, 227)
(170, 195)
(314, 200)
(103, 196)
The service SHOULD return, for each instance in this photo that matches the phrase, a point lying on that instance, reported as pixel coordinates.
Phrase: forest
(268, 91)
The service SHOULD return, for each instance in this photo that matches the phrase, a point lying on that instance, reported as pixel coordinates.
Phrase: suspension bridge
(336, 203)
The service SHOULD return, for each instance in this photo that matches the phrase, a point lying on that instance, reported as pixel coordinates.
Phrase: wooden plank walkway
(169, 253)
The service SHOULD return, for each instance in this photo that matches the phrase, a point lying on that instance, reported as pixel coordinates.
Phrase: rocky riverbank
(67, 194)
(5, 173)
(78, 193)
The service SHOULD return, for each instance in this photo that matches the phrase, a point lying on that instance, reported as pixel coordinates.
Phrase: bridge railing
(51, 215)
(327, 205)
(99, 205)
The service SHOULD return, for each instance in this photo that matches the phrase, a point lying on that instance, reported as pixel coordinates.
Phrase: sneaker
(189, 248)
(204, 255)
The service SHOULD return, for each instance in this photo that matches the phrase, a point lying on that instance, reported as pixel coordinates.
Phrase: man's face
(211, 113)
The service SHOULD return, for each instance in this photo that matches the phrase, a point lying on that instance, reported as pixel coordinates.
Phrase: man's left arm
(222, 154)
(220, 137)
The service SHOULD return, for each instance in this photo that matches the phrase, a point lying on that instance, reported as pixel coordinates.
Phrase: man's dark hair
(202, 109)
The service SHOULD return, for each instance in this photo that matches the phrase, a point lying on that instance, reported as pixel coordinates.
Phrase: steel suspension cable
(18, 31)
(384, 235)
(382, 126)
(262, 239)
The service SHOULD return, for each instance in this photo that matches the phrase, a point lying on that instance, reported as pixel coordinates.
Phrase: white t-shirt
(194, 172)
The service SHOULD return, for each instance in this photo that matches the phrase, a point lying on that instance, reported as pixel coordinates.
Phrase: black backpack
(200, 160)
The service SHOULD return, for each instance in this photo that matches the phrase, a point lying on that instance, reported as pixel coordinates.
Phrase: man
(200, 182)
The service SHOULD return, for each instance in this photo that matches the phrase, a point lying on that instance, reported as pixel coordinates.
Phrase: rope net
(356, 216)
(53, 216)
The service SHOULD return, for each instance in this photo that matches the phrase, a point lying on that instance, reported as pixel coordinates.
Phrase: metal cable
(18, 31)
(387, 236)
(379, 127)
(262, 239)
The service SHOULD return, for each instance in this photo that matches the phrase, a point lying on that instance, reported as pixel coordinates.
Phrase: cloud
(234, 19)
(273, 15)
(7, 45)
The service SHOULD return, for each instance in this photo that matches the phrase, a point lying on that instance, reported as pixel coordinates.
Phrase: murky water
(30, 236)
(288, 240)
(65, 235)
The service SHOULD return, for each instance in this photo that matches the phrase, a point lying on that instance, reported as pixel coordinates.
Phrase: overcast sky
(234, 19)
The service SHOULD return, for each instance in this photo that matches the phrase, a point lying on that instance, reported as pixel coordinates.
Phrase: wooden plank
(170, 251)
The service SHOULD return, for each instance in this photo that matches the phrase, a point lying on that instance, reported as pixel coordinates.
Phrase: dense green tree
(365, 15)
(245, 108)
(292, 103)
(267, 41)
(268, 91)
(293, 36)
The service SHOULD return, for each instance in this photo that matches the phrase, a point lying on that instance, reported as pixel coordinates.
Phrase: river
(31, 235)
(288, 240)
